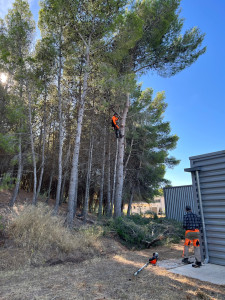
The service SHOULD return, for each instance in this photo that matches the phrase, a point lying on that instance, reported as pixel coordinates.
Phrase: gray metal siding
(212, 187)
(176, 198)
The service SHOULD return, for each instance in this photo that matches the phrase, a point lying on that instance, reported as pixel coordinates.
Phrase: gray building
(208, 181)
(176, 199)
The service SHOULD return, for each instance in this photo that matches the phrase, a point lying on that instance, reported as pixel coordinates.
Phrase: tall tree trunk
(65, 173)
(88, 179)
(102, 175)
(74, 172)
(53, 163)
(34, 199)
(114, 177)
(128, 158)
(60, 132)
(50, 186)
(109, 207)
(19, 174)
(130, 201)
(119, 179)
(43, 146)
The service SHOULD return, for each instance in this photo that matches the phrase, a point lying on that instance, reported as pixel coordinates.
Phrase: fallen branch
(159, 238)
(87, 220)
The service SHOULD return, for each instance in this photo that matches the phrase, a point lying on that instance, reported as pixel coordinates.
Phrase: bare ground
(107, 275)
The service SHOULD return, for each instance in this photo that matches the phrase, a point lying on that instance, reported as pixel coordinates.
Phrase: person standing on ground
(192, 224)
(115, 118)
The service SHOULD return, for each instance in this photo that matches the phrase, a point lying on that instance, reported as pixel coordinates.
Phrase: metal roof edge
(192, 169)
(177, 186)
(207, 154)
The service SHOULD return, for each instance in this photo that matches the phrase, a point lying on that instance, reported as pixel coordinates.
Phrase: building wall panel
(212, 192)
(176, 198)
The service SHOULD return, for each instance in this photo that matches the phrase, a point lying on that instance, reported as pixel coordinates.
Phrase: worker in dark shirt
(115, 118)
(192, 224)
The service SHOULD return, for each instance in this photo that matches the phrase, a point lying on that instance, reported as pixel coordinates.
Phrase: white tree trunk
(128, 158)
(65, 176)
(74, 171)
(109, 207)
(49, 187)
(88, 180)
(102, 175)
(130, 202)
(114, 178)
(119, 179)
(34, 199)
(58, 192)
(43, 147)
(19, 174)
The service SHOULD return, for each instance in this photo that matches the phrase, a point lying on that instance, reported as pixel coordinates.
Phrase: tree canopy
(61, 91)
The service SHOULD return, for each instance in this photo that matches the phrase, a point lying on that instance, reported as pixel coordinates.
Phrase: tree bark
(119, 179)
(102, 175)
(128, 158)
(74, 172)
(88, 179)
(65, 176)
(43, 146)
(108, 207)
(19, 174)
(58, 193)
(114, 178)
(34, 199)
(130, 201)
(53, 163)
(49, 187)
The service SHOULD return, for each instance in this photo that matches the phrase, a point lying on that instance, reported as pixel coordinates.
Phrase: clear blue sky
(195, 97)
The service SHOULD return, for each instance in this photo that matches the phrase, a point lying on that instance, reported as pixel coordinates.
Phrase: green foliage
(136, 231)
(150, 140)
(122, 39)
(6, 182)
(162, 46)
(138, 219)
(1, 224)
(7, 143)
(128, 231)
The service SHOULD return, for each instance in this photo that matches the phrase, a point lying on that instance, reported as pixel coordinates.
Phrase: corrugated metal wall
(212, 188)
(176, 198)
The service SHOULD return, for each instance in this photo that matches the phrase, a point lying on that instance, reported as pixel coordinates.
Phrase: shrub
(36, 229)
(137, 232)
(128, 231)
(1, 224)
(6, 182)
(138, 219)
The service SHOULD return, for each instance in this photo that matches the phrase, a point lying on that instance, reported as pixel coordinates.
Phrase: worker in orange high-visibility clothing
(115, 118)
(192, 224)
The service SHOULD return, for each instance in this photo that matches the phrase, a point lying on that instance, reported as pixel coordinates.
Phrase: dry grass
(45, 237)
(102, 268)
(104, 278)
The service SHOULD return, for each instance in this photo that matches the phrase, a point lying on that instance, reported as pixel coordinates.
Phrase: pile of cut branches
(142, 232)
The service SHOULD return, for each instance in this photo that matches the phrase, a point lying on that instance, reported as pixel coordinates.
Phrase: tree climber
(115, 125)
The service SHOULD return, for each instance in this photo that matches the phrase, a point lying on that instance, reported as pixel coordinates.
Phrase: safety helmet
(155, 254)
